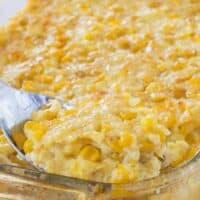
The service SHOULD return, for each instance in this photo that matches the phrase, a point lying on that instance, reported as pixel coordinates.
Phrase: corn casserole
(130, 71)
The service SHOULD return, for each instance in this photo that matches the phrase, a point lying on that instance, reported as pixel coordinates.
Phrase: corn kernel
(100, 78)
(187, 53)
(176, 162)
(69, 111)
(2, 38)
(49, 115)
(127, 115)
(58, 54)
(105, 127)
(19, 139)
(168, 28)
(195, 82)
(28, 146)
(177, 151)
(148, 123)
(59, 85)
(92, 88)
(44, 115)
(114, 22)
(122, 73)
(183, 77)
(197, 38)
(139, 45)
(192, 138)
(178, 66)
(171, 120)
(66, 58)
(76, 170)
(155, 87)
(192, 152)
(179, 92)
(63, 38)
(90, 36)
(162, 133)
(173, 16)
(117, 88)
(125, 44)
(186, 35)
(161, 67)
(147, 146)
(46, 78)
(29, 86)
(115, 33)
(122, 174)
(84, 7)
(91, 153)
(157, 97)
(3, 139)
(126, 140)
(126, 97)
(35, 129)
(118, 144)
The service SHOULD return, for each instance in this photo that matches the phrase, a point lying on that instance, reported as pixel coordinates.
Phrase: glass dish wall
(19, 183)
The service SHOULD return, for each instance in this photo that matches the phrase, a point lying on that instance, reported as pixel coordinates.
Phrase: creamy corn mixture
(130, 71)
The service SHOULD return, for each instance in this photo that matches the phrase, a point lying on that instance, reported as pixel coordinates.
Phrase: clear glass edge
(150, 186)
(136, 189)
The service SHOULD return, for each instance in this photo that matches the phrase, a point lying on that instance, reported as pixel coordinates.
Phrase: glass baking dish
(20, 183)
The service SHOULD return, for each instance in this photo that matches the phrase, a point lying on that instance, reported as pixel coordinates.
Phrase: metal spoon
(16, 107)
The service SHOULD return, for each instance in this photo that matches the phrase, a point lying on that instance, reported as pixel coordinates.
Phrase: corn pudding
(130, 71)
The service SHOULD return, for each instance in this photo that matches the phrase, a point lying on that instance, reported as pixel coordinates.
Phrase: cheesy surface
(130, 71)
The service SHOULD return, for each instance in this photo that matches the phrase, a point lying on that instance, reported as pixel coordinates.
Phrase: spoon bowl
(16, 108)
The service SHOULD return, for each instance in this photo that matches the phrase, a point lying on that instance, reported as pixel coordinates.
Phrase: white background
(9, 8)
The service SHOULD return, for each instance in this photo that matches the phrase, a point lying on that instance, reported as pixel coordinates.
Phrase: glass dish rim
(144, 187)
(161, 181)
